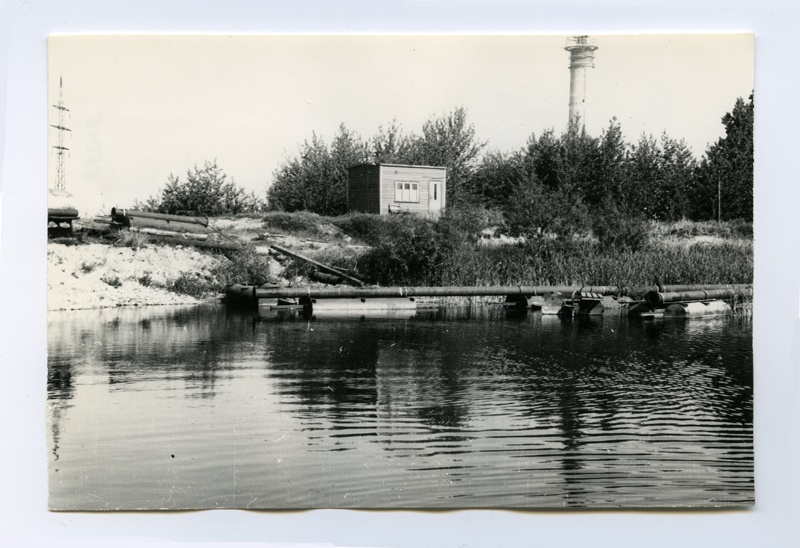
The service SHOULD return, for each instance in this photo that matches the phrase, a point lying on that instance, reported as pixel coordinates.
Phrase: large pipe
(227, 246)
(655, 298)
(645, 289)
(62, 213)
(353, 292)
(470, 291)
(133, 214)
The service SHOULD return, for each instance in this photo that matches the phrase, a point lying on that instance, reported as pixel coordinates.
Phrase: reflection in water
(203, 407)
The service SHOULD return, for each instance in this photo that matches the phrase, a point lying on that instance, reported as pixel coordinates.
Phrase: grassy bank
(469, 248)
(408, 250)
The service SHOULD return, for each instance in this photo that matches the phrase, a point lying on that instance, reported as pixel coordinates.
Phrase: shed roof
(395, 165)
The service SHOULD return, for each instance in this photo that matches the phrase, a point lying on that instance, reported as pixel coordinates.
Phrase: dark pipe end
(653, 298)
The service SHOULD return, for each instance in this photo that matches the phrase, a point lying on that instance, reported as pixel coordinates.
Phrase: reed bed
(409, 250)
(586, 263)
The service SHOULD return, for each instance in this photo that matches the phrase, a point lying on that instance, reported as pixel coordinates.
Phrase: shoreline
(94, 275)
(87, 273)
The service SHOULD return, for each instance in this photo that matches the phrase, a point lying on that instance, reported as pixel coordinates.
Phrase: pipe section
(350, 292)
(133, 214)
(655, 298)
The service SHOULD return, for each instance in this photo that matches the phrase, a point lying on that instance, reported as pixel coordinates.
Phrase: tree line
(566, 176)
(553, 182)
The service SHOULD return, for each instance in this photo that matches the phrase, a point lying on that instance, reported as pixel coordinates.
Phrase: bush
(619, 230)
(535, 211)
(206, 191)
(245, 267)
(298, 223)
(189, 283)
(742, 228)
(412, 250)
(131, 239)
(366, 227)
(112, 280)
(343, 258)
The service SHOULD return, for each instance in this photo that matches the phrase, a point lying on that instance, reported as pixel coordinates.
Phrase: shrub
(409, 253)
(343, 258)
(245, 267)
(412, 250)
(298, 223)
(64, 241)
(206, 191)
(189, 283)
(366, 227)
(112, 280)
(535, 211)
(131, 239)
(619, 230)
(742, 228)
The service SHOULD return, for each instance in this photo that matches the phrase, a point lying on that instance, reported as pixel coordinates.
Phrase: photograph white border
(24, 519)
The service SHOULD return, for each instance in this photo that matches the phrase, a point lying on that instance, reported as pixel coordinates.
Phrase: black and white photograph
(410, 271)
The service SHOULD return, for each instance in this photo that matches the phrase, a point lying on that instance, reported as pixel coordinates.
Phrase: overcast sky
(142, 107)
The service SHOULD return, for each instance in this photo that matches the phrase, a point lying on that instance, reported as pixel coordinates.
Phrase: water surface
(202, 407)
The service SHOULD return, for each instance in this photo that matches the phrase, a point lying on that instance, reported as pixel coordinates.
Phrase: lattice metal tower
(62, 113)
(581, 58)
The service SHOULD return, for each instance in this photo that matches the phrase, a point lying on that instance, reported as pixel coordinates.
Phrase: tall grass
(689, 229)
(588, 263)
(131, 239)
(414, 251)
(245, 267)
(301, 223)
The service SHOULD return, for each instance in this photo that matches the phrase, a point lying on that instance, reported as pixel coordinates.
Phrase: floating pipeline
(404, 292)
(643, 301)
(573, 291)
(657, 298)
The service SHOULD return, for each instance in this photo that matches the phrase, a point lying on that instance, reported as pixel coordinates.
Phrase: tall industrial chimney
(581, 57)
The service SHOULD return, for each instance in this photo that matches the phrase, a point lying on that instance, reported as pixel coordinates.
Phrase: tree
(317, 180)
(726, 172)
(578, 160)
(643, 189)
(495, 179)
(535, 211)
(206, 191)
(608, 173)
(391, 146)
(449, 141)
(678, 168)
(542, 158)
(347, 149)
(297, 183)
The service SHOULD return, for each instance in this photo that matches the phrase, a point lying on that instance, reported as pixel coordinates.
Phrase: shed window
(406, 192)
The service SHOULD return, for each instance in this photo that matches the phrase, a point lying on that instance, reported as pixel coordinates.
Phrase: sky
(143, 107)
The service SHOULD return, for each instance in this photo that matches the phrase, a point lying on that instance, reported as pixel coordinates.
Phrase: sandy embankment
(99, 276)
